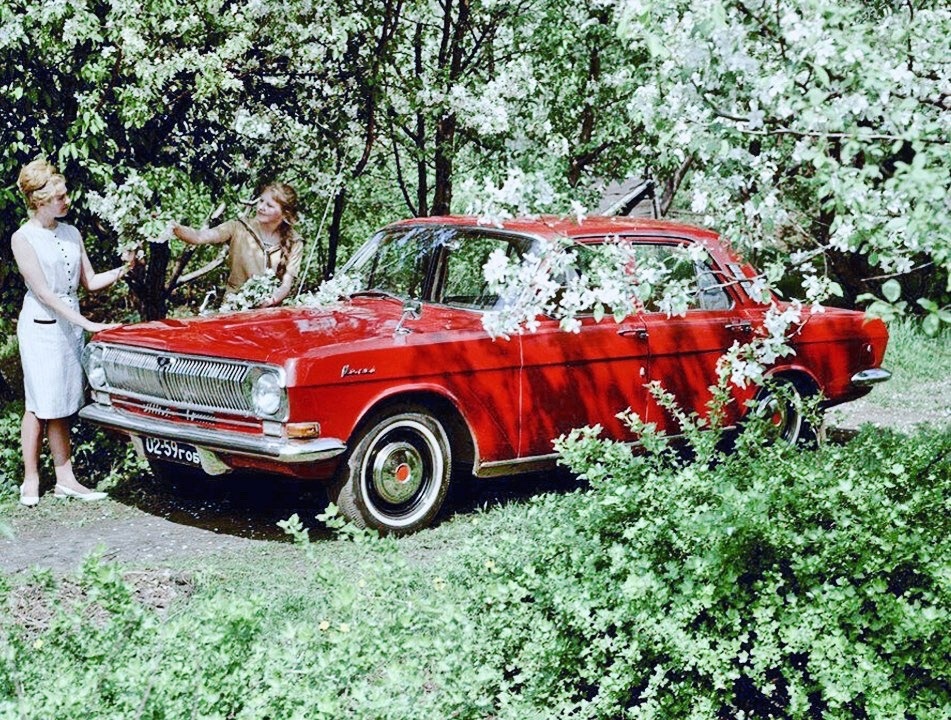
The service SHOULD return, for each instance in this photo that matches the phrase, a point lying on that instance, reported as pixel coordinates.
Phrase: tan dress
(249, 255)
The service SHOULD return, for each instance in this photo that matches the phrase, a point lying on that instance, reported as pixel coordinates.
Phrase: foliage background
(811, 133)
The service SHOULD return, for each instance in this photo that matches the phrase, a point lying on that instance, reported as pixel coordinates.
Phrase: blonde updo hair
(39, 181)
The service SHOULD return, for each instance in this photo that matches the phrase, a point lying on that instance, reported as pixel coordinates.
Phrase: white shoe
(61, 491)
(28, 500)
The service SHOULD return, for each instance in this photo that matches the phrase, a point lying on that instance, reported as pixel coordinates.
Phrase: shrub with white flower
(613, 280)
(814, 125)
(128, 209)
(143, 207)
(330, 292)
(609, 280)
(253, 294)
(520, 194)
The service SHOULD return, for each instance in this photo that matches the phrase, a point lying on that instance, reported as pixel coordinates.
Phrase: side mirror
(412, 310)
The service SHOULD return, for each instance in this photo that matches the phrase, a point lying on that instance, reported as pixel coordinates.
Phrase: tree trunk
(333, 234)
(422, 178)
(453, 46)
(442, 189)
(154, 299)
(581, 159)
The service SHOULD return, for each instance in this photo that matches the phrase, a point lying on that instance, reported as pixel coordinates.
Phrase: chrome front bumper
(211, 443)
(871, 376)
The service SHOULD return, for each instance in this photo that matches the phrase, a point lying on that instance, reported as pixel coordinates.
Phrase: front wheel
(397, 475)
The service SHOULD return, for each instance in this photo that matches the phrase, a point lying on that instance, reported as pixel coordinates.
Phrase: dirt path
(144, 527)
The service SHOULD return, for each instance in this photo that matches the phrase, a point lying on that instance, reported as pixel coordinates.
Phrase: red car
(399, 390)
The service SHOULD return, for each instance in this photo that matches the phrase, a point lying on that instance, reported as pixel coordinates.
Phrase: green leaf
(891, 289)
(931, 324)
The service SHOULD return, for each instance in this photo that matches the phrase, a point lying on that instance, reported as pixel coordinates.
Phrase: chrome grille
(178, 380)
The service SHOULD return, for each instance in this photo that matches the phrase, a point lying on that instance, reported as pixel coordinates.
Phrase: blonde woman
(53, 262)
(266, 242)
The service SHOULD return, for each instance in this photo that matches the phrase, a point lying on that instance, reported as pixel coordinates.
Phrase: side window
(655, 269)
(464, 283)
(685, 276)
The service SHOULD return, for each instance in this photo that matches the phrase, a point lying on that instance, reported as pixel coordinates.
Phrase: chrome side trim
(870, 377)
(496, 468)
(216, 441)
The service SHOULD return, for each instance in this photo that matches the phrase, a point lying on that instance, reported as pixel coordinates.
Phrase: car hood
(280, 334)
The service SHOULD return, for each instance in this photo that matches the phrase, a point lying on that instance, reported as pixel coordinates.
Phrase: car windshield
(437, 264)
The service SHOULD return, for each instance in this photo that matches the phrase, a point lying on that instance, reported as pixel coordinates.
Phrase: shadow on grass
(241, 504)
(250, 505)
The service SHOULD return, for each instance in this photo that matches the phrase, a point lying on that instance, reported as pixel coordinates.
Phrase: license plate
(171, 451)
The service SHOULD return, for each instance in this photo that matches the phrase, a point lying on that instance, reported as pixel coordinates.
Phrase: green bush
(779, 584)
(771, 584)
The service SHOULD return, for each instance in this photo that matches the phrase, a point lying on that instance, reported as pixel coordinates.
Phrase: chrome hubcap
(397, 473)
(782, 416)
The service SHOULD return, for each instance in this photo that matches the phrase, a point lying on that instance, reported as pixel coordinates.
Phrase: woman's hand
(129, 258)
(95, 327)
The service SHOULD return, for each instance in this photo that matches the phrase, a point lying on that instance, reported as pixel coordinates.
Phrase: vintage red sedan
(398, 390)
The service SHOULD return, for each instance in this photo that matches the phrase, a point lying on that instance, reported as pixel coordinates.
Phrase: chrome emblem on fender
(347, 371)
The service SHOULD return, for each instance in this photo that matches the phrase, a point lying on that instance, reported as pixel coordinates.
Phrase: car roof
(552, 225)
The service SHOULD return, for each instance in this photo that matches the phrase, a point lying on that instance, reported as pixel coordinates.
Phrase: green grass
(913, 357)
(920, 386)
(700, 584)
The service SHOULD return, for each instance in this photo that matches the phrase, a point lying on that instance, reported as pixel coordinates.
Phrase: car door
(570, 380)
(686, 341)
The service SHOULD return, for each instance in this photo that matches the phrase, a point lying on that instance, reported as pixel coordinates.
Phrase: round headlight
(267, 394)
(95, 371)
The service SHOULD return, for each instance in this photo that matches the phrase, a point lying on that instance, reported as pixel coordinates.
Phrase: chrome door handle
(740, 326)
(639, 333)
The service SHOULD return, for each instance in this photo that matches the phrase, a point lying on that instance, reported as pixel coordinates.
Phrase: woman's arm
(29, 266)
(205, 236)
(92, 281)
(282, 291)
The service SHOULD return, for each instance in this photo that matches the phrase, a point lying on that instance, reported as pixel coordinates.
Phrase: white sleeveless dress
(51, 347)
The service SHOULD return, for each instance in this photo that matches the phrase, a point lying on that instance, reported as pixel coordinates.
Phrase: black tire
(780, 405)
(397, 475)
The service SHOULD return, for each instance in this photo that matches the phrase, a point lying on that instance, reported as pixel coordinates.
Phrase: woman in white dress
(51, 257)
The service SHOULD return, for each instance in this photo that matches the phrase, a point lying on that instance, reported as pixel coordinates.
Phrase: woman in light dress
(51, 257)
(268, 242)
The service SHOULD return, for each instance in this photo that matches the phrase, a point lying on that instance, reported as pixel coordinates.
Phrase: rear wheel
(780, 406)
(396, 477)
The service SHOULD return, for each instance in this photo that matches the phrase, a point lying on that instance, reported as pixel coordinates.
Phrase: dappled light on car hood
(270, 335)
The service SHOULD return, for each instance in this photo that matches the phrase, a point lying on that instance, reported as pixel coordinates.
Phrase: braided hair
(286, 197)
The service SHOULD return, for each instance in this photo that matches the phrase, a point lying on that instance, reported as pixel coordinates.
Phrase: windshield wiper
(377, 293)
